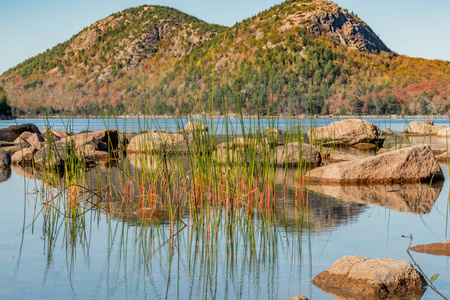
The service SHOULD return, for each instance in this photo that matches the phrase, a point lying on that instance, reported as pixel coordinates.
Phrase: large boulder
(354, 275)
(347, 132)
(5, 159)
(14, 131)
(154, 142)
(409, 165)
(423, 128)
(293, 154)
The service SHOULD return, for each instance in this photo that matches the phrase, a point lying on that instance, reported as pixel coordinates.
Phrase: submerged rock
(347, 132)
(434, 249)
(354, 275)
(409, 165)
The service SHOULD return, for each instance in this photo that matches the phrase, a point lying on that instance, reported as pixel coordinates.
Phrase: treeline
(5, 108)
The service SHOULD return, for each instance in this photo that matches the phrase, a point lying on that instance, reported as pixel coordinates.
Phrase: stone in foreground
(409, 165)
(354, 275)
(434, 249)
(347, 132)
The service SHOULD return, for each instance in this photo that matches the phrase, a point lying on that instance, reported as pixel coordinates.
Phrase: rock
(17, 147)
(154, 142)
(14, 131)
(409, 165)
(371, 277)
(106, 136)
(51, 157)
(347, 132)
(233, 155)
(364, 146)
(292, 154)
(272, 131)
(36, 141)
(5, 174)
(250, 143)
(388, 131)
(337, 157)
(422, 128)
(23, 137)
(5, 159)
(434, 249)
(429, 122)
(444, 132)
(437, 149)
(195, 127)
(382, 150)
(416, 198)
(55, 134)
(299, 298)
(24, 157)
(443, 157)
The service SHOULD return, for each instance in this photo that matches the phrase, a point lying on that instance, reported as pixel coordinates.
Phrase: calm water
(136, 125)
(116, 258)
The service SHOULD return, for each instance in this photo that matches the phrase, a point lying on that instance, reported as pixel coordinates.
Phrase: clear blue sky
(28, 27)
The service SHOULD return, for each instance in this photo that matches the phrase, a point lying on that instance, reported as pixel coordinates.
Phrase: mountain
(304, 56)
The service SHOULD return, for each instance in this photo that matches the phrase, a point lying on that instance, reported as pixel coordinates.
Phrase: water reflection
(411, 198)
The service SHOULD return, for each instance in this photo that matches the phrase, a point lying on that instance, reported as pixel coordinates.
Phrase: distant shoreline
(237, 116)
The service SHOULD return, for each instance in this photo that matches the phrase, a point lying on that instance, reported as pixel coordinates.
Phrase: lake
(106, 254)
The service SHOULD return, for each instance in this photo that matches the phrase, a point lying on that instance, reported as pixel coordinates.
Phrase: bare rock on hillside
(354, 275)
(326, 18)
(409, 165)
